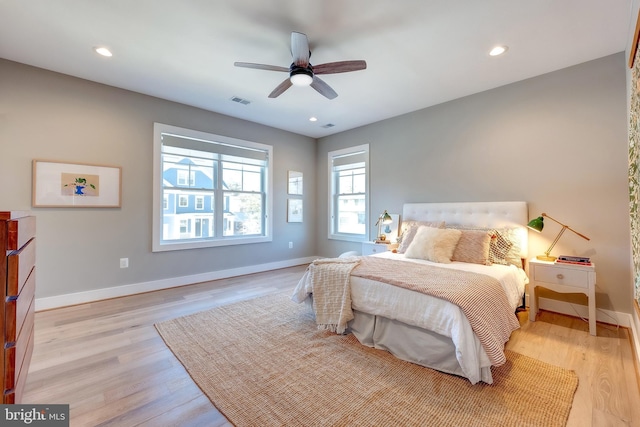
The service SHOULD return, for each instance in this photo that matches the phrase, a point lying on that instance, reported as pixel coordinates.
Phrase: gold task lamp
(384, 218)
(537, 224)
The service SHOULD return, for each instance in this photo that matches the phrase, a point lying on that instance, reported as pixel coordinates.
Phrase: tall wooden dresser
(18, 279)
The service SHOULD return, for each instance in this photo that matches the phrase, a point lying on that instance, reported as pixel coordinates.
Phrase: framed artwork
(75, 185)
(295, 183)
(294, 210)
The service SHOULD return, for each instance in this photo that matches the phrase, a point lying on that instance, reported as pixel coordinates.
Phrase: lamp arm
(548, 251)
(564, 226)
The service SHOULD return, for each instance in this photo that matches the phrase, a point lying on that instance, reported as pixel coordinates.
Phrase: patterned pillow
(434, 244)
(409, 229)
(473, 247)
(505, 248)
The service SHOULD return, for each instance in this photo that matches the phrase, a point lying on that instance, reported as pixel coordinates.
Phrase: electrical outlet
(124, 262)
(290, 245)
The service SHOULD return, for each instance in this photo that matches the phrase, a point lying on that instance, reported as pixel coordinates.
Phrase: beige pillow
(409, 230)
(434, 244)
(473, 247)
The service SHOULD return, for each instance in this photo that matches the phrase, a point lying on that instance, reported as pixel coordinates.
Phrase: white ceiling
(419, 52)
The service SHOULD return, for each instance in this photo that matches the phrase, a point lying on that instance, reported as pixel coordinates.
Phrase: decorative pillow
(505, 247)
(434, 244)
(409, 229)
(473, 247)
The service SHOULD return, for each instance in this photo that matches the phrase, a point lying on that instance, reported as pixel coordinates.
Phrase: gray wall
(45, 115)
(557, 141)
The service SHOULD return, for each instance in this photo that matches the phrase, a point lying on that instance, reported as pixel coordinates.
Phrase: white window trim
(337, 153)
(157, 245)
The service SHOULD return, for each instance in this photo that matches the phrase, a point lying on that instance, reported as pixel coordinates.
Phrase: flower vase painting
(84, 185)
(75, 185)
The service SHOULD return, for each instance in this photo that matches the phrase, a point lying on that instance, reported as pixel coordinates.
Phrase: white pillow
(434, 244)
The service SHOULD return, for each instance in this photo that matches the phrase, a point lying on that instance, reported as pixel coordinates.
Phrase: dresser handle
(560, 276)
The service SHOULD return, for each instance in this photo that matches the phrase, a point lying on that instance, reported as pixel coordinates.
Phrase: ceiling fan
(302, 73)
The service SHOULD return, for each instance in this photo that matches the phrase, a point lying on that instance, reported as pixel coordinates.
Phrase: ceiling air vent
(328, 125)
(240, 100)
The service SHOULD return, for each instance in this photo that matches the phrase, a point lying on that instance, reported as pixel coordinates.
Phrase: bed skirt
(410, 343)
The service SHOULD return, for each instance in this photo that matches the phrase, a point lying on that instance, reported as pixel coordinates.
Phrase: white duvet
(432, 313)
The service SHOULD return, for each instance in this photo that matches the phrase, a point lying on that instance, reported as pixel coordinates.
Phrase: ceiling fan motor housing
(300, 76)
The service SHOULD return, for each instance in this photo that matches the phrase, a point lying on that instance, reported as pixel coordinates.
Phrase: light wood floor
(108, 362)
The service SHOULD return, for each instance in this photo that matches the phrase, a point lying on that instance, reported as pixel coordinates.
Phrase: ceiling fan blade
(279, 90)
(323, 88)
(339, 67)
(300, 49)
(261, 66)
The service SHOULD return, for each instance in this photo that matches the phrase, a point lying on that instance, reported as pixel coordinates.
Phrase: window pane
(345, 183)
(242, 214)
(351, 214)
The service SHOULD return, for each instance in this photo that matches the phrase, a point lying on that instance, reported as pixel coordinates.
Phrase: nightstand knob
(560, 276)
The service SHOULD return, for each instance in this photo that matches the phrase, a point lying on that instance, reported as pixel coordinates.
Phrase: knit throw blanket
(480, 297)
(328, 281)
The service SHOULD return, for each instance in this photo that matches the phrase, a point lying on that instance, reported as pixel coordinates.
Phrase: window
(209, 190)
(349, 198)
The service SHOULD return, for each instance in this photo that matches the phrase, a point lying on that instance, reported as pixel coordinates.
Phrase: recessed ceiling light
(313, 119)
(498, 50)
(103, 51)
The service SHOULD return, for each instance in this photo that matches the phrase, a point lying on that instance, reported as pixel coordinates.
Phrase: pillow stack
(433, 242)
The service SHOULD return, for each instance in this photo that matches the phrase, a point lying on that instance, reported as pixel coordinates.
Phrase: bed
(435, 331)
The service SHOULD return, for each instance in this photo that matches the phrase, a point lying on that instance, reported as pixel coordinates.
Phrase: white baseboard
(48, 303)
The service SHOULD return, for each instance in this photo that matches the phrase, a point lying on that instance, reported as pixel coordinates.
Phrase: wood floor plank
(108, 362)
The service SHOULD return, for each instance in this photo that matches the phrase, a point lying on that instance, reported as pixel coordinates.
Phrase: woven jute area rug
(263, 362)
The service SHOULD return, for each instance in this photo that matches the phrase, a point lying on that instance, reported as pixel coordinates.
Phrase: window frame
(333, 234)
(158, 245)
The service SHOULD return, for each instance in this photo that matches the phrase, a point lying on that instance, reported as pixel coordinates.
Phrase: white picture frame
(294, 210)
(294, 183)
(75, 185)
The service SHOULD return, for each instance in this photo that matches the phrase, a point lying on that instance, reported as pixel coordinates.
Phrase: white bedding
(434, 314)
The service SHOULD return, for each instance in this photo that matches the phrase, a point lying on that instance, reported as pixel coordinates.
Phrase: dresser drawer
(561, 276)
(20, 231)
(20, 264)
(18, 353)
(17, 309)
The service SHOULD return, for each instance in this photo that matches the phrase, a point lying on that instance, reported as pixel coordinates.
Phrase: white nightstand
(370, 248)
(565, 278)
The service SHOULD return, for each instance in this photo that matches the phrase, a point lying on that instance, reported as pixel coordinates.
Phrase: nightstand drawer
(561, 276)
(370, 248)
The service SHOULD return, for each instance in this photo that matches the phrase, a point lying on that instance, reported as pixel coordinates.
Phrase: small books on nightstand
(576, 260)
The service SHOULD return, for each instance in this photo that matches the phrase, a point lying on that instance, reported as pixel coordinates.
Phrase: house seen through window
(212, 190)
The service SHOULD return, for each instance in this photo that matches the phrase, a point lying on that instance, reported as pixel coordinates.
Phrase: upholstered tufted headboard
(474, 214)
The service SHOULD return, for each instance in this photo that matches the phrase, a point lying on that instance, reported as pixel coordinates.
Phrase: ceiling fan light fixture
(301, 77)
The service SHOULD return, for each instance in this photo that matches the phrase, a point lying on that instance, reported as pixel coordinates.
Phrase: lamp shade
(386, 218)
(536, 224)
